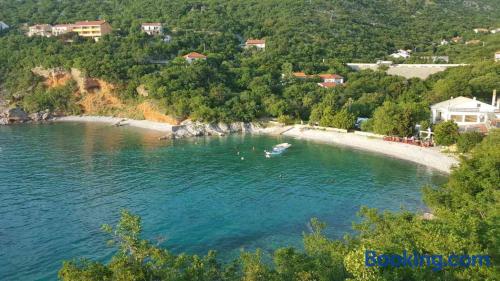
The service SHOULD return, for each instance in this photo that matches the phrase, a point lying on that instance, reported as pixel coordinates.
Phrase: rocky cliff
(189, 128)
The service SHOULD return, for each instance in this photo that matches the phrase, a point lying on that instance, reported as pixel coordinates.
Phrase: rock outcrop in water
(189, 128)
(18, 115)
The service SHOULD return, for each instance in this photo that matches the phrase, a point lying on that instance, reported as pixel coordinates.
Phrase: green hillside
(237, 84)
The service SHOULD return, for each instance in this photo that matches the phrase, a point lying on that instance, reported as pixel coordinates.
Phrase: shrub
(327, 117)
(54, 99)
(285, 119)
(367, 126)
(344, 120)
(468, 141)
(446, 133)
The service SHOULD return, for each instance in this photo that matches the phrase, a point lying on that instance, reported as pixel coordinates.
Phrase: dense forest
(239, 84)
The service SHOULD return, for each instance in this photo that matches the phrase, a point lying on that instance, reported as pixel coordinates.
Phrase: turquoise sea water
(60, 182)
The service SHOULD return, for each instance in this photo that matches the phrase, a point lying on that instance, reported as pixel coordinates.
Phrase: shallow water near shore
(60, 182)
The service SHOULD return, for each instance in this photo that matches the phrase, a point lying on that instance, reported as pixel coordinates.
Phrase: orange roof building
(194, 56)
(257, 43)
(328, 80)
(93, 29)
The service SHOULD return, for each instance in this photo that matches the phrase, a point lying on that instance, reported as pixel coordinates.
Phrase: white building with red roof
(332, 78)
(256, 43)
(93, 29)
(152, 28)
(193, 56)
(327, 80)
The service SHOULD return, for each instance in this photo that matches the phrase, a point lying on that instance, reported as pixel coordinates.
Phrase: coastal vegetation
(446, 133)
(234, 83)
(465, 221)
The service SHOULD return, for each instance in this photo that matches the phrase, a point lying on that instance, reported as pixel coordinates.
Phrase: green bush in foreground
(446, 133)
(468, 140)
(467, 216)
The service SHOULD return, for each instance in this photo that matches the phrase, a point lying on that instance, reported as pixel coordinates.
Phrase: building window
(439, 116)
(457, 118)
(471, 118)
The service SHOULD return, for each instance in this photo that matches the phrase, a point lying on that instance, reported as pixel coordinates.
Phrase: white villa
(60, 29)
(152, 28)
(466, 111)
(481, 30)
(495, 30)
(401, 54)
(497, 56)
(3, 26)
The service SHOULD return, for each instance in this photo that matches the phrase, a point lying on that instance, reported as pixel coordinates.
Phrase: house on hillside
(437, 59)
(193, 56)
(332, 78)
(93, 29)
(60, 29)
(497, 56)
(327, 80)
(467, 112)
(473, 42)
(481, 30)
(152, 28)
(44, 30)
(401, 54)
(3, 26)
(444, 42)
(495, 30)
(257, 43)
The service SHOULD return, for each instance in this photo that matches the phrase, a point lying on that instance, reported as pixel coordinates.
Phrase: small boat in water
(277, 149)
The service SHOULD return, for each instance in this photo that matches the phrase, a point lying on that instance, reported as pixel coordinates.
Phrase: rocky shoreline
(430, 157)
(186, 129)
(16, 115)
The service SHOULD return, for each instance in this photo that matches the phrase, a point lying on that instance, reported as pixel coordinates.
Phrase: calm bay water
(59, 183)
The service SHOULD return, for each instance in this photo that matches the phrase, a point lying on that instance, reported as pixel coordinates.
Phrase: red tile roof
(90, 23)
(255, 41)
(327, 84)
(151, 24)
(194, 55)
(300, 75)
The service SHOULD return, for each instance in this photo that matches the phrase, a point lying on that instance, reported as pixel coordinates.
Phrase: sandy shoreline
(144, 124)
(430, 157)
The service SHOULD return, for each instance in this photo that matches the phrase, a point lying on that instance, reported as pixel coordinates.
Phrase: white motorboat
(277, 149)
